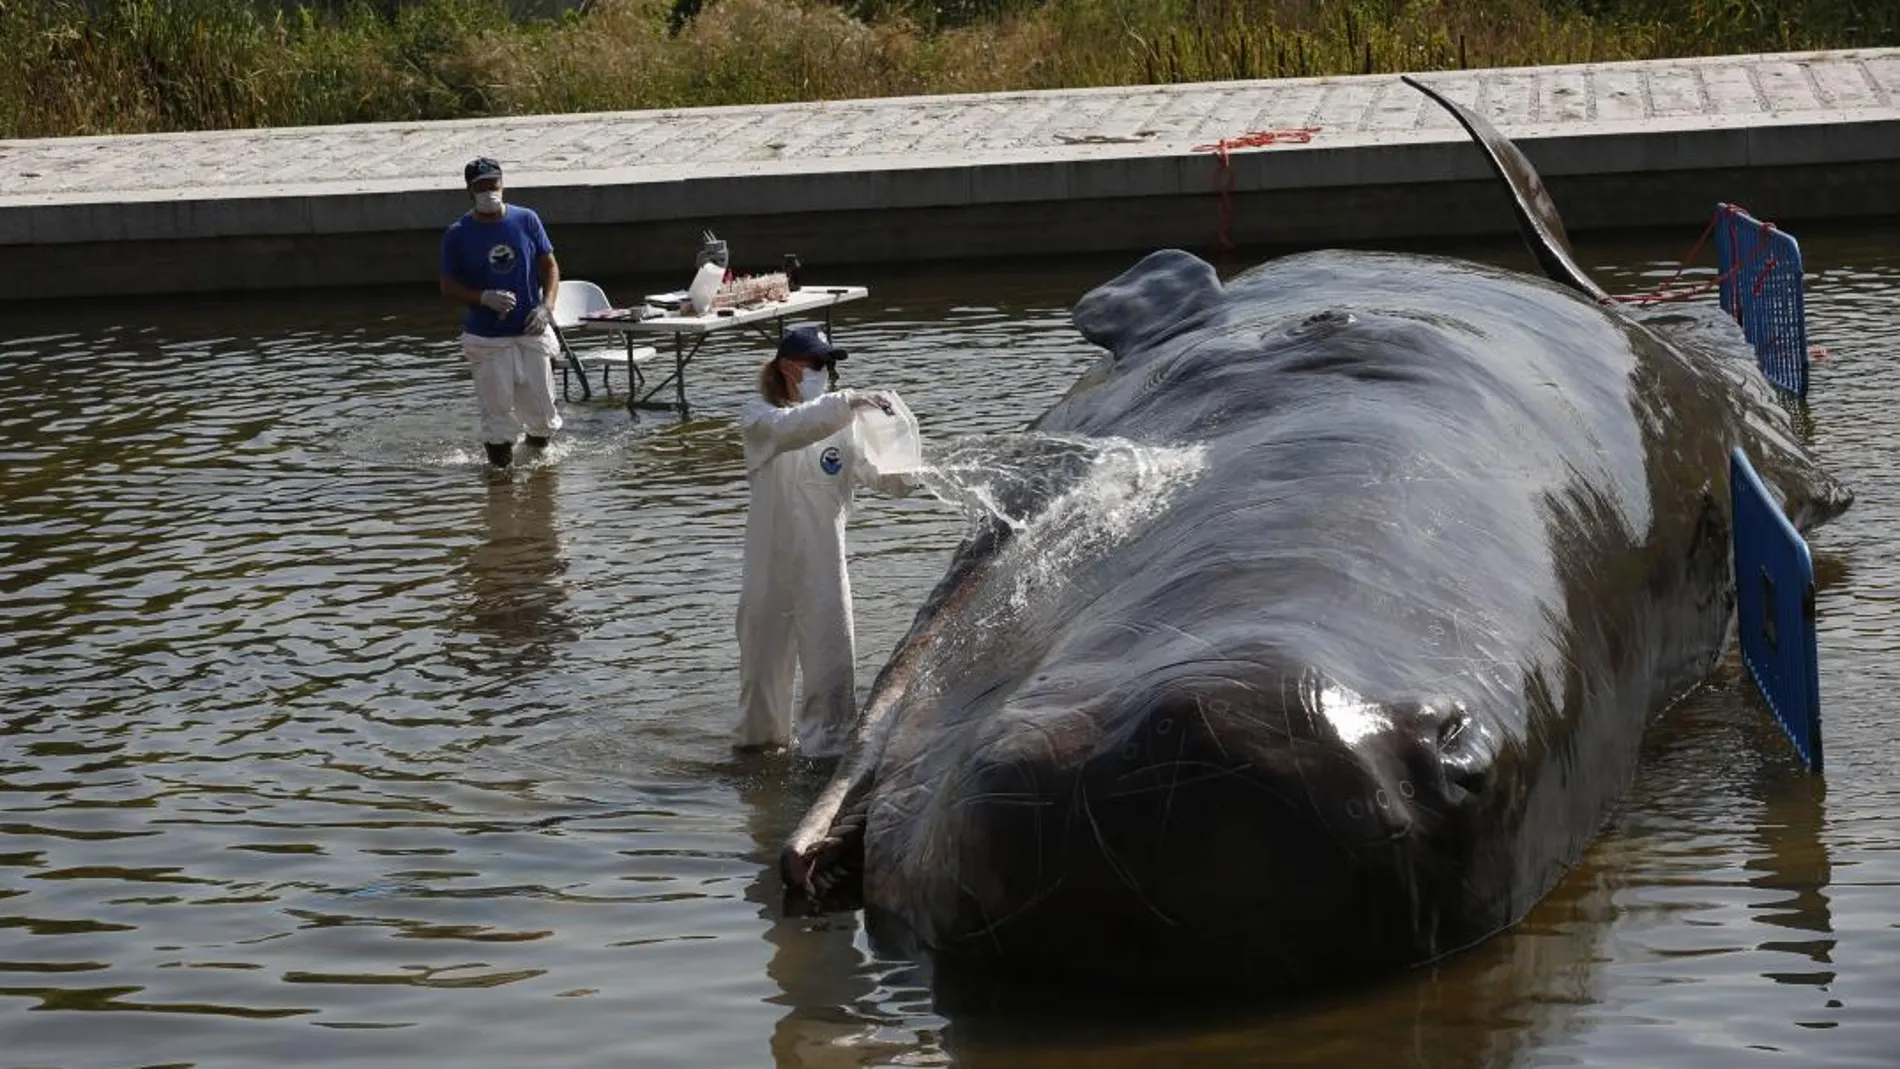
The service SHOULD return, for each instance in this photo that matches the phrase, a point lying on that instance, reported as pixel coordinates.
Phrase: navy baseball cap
(809, 340)
(479, 168)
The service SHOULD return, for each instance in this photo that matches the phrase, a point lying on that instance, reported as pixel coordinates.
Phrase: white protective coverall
(514, 384)
(803, 464)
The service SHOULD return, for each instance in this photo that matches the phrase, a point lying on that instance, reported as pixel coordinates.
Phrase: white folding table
(689, 333)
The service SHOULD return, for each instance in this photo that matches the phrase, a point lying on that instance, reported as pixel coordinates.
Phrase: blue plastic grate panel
(1762, 285)
(1774, 608)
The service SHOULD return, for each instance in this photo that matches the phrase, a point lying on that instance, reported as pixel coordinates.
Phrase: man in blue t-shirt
(497, 262)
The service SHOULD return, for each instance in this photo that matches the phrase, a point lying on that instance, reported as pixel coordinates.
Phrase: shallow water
(319, 746)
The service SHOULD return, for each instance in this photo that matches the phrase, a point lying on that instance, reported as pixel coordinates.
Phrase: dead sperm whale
(1359, 687)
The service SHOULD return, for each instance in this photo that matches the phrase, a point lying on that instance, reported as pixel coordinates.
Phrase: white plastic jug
(891, 444)
(706, 283)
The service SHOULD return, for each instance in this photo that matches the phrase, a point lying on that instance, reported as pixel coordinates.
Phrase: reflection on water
(322, 745)
(514, 574)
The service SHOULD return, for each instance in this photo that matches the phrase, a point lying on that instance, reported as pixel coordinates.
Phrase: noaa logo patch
(831, 460)
(501, 259)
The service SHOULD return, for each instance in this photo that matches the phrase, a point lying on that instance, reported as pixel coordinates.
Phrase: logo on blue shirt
(501, 259)
(831, 460)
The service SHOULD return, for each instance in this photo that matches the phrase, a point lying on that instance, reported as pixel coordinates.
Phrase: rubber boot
(500, 454)
(536, 442)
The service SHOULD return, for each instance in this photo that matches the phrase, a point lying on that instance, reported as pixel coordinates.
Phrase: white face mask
(488, 201)
(813, 383)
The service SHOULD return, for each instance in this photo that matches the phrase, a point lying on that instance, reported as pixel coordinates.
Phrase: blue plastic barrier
(1774, 608)
(1762, 284)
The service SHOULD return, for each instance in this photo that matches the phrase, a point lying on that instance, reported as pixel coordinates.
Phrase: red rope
(1666, 292)
(1681, 266)
(1224, 174)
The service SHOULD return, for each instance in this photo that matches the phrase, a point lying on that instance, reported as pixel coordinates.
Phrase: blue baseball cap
(479, 168)
(809, 340)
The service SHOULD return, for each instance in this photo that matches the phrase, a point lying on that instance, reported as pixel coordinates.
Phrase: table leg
(679, 371)
(642, 396)
(571, 361)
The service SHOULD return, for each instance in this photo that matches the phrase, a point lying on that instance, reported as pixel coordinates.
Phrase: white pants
(514, 384)
(782, 629)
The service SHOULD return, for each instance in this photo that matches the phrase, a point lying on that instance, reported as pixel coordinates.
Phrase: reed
(124, 66)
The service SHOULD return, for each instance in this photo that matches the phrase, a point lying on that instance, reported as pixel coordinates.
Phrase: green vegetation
(121, 66)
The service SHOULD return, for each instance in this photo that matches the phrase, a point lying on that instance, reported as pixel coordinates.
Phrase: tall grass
(119, 66)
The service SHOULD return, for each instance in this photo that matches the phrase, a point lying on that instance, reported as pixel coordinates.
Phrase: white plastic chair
(575, 299)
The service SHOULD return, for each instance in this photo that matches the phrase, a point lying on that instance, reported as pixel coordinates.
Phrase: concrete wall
(870, 236)
(225, 212)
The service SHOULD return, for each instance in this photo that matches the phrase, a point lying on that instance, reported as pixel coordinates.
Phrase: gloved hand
(537, 320)
(878, 399)
(898, 484)
(501, 302)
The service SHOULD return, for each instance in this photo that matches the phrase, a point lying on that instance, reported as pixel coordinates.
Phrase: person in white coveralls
(803, 464)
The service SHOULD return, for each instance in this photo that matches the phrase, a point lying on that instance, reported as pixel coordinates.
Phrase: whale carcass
(1361, 689)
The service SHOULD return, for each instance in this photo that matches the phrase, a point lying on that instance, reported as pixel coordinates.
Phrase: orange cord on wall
(1224, 175)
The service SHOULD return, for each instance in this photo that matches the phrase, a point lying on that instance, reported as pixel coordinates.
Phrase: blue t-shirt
(497, 256)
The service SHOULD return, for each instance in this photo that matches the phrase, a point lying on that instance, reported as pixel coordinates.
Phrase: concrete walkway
(856, 182)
